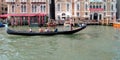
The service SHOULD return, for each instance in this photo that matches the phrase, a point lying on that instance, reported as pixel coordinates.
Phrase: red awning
(25, 14)
(22, 14)
(4, 16)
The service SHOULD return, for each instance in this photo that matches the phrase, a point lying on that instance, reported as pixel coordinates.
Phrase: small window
(58, 17)
(13, 8)
(63, 14)
(23, 8)
(86, 13)
(86, 6)
(112, 7)
(93, 6)
(97, 6)
(34, 8)
(44, 8)
(58, 7)
(112, 14)
(78, 14)
(2, 8)
(5, 9)
(78, 7)
(68, 16)
(68, 6)
(90, 6)
(104, 7)
(104, 14)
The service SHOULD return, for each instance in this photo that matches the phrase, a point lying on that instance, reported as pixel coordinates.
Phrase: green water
(92, 43)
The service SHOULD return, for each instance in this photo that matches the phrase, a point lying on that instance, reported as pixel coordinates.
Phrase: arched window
(96, 6)
(44, 8)
(34, 8)
(68, 6)
(13, 8)
(78, 14)
(58, 7)
(104, 7)
(41, 8)
(112, 7)
(86, 6)
(78, 6)
(58, 17)
(90, 6)
(93, 6)
(63, 14)
(91, 16)
(100, 17)
(68, 16)
(99, 6)
(23, 8)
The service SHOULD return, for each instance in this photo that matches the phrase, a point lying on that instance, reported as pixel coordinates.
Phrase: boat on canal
(1, 25)
(13, 32)
(117, 24)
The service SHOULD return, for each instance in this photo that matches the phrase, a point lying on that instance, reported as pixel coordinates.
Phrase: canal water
(92, 43)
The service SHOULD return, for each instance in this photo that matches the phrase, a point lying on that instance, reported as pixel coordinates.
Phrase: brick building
(91, 10)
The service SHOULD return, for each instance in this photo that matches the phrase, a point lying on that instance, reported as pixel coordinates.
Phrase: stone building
(91, 10)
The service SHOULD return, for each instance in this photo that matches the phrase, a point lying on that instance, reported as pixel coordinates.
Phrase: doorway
(96, 16)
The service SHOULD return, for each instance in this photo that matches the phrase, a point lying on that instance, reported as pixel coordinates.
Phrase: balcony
(96, 1)
(23, 2)
(38, 2)
(10, 2)
(96, 9)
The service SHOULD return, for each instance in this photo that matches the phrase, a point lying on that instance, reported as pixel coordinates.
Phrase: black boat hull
(2, 26)
(44, 33)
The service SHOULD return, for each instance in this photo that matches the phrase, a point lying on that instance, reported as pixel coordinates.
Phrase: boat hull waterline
(9, 31)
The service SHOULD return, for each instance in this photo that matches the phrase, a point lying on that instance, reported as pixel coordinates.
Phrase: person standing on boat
(71, 24)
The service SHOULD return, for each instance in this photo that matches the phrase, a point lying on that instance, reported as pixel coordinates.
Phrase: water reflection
(7, 51)
(117, 44)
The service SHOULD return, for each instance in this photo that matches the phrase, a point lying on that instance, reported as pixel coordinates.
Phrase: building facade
(91, 10)
(63, 9)
(28, 11)
(3, 7)
(27, 6)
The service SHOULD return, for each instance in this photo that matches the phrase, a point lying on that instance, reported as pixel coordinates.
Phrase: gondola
(13, 32)
(1, 25)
